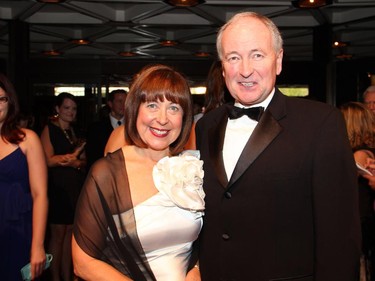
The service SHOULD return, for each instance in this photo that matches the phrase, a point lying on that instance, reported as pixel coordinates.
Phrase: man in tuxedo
(281, 189)
(99, 131)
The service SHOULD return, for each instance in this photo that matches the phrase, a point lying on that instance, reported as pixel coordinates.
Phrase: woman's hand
(371, 181)
(37, 262)
(79, 149)
(67, 160)
(370, 165)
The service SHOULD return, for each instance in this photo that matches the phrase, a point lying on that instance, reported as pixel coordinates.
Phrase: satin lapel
(266, 130)
(216, 142)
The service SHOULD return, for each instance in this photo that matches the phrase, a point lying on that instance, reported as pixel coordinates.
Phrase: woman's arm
(36, 162)
(53, 160)
(89, 268)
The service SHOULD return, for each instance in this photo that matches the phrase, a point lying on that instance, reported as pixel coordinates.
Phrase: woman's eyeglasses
(3, 100)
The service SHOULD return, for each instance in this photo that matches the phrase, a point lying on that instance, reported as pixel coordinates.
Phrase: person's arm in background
(37, 168)
(370, 165)
(191, 142)
(116, 140)
(193, 274)
(70, 159)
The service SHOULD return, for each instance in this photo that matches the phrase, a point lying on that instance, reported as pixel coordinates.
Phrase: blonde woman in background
(360, 124)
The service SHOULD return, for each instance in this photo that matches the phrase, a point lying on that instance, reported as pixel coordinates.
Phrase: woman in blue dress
(23, 192)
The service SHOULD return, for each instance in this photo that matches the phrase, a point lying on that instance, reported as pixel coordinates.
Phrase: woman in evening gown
(65, 159)
(141, 206)
(23, 192)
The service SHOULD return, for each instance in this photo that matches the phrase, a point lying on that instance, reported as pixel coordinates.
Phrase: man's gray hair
(276, 35)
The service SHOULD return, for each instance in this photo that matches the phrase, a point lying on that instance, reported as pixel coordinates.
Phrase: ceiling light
(51, 1)
(307, 4)
(338, 44)
(52, 53)
(168, 43)
(344, 56)
(184, 3)
(80, 41)
(127, 54)
(202, 54)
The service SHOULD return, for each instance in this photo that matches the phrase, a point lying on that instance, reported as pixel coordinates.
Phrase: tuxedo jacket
(97, 137)
(290, 209)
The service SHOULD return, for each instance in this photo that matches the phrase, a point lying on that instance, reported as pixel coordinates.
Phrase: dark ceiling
(138, 26)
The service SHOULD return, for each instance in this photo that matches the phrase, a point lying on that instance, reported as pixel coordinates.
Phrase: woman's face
(3, 106)
(159, 123)
(67, 111)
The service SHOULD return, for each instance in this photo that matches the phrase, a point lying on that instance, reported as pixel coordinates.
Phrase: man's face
(117, 105)
(250, 62)
(370, 101)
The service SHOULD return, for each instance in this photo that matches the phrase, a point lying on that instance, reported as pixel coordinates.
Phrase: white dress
(166, 234)
(151, 238)
(170, 221)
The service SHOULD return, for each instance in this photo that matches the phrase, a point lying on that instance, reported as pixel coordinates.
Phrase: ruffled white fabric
(181, 179)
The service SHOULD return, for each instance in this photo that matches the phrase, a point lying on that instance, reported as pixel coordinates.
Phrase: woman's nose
(162, 117)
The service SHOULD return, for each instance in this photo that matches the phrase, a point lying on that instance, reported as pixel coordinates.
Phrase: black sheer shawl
(104, 197)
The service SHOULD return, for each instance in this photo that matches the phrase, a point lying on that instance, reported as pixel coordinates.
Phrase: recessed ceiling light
(184, 3)
(168, 43)
(344, 56)
(202, 54)
(338, 44)
(51, 1)
(80, 41)
(52, 53)
(127, 54)
(307, 4)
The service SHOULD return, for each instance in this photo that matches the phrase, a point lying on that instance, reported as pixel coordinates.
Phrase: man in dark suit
(99, 132)
(281, 190)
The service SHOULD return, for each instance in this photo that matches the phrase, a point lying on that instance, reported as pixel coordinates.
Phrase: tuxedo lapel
(264, 133)
(216, 142)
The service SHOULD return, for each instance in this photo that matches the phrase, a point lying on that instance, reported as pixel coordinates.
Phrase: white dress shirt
(237, 134)
(114, 121)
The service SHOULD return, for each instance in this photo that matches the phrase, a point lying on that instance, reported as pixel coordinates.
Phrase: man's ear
(279, 62)
(110, 104)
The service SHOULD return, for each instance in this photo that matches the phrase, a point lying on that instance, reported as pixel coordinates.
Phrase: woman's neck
(150, 154)
(63, 124)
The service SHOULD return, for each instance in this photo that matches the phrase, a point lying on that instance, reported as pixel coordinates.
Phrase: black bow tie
(254, 113)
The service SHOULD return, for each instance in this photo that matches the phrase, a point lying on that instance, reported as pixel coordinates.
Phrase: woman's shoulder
(112, 162)
(31, 140)
(30, 136)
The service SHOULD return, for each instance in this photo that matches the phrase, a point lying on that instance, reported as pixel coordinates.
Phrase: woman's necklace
(71, 141)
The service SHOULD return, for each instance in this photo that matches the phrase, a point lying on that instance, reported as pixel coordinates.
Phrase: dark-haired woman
(141, 207)
(23, 192)
(65, 159)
